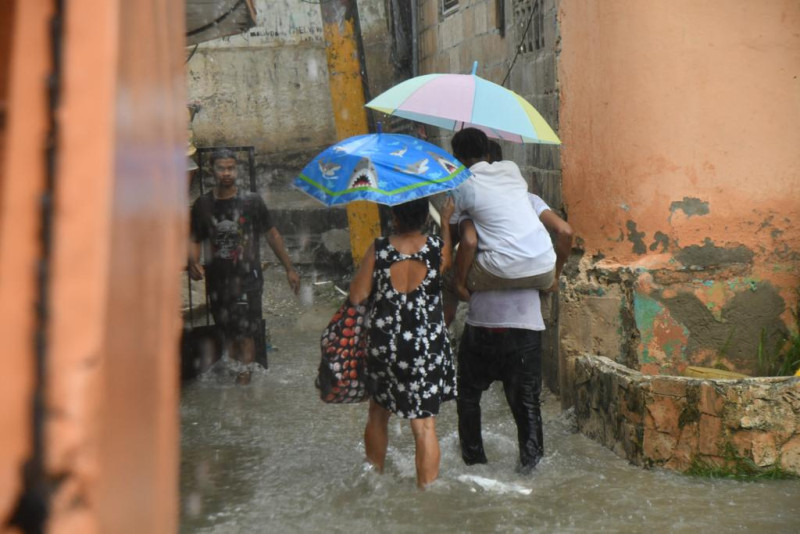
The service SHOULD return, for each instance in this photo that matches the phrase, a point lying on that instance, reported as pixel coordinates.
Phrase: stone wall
(675, 422)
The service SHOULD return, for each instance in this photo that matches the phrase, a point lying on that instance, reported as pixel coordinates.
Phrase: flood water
(270, 457)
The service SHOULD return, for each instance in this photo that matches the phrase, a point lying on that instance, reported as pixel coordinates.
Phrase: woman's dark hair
(470, 143)
(411, 215)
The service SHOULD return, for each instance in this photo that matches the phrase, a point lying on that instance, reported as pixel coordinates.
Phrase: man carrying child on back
(502, 338)
(513, 249)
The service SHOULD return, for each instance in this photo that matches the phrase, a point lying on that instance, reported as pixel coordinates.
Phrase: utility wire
(191, 54)
(519, 47)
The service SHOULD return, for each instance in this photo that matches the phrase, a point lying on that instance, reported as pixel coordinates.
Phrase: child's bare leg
(427, 450)
(376, 434)
(468, 246)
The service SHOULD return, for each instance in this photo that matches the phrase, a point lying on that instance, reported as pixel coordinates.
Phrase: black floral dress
(410, 362)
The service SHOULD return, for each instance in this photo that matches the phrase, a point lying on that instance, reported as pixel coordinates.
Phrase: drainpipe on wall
(347, 78)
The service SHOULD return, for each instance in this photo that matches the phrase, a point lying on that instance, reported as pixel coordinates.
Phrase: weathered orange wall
(6, 26)
(21, 182)
(681, 162)
(110, 447)
(137, 490)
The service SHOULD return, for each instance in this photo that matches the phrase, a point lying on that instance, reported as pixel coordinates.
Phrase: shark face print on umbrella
(456, 101)
(384, 168)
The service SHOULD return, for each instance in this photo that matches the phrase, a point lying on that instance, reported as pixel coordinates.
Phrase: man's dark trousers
(513, 356)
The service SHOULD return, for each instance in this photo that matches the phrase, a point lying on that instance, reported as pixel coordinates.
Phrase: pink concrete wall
(681, 161)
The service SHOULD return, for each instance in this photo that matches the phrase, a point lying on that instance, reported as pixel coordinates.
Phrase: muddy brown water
(270, 457)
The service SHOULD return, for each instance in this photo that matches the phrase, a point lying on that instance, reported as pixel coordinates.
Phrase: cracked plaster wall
(680, 178)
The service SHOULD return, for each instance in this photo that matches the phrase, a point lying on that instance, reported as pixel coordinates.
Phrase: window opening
(449, 6)
(529, 24)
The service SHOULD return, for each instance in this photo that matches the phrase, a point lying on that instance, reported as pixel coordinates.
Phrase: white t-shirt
(512, 241)
(509, 308)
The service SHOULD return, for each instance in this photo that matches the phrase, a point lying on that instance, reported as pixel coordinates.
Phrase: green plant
(791, 356)
(791, 359)
(766, 361)
(784, 360)
(737, 467)
(723, 352)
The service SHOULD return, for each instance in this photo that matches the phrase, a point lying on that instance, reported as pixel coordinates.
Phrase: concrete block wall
(532, 75)
(677, 422)
(475, 31)
(451, 43)
(269, 86)
(273, 98)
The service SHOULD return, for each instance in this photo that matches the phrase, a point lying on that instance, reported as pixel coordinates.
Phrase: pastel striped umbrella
(456, 101)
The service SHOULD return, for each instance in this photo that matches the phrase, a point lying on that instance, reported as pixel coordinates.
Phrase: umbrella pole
(345, 67)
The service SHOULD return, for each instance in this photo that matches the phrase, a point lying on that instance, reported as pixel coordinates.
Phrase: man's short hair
(470, 143)
(223, 153)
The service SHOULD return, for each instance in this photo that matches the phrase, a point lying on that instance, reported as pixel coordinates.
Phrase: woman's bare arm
(361, 285)
(447, 249)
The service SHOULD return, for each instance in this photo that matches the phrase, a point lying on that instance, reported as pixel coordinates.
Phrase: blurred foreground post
(92, 238)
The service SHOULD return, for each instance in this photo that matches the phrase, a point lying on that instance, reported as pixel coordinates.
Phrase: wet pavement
(271, 457)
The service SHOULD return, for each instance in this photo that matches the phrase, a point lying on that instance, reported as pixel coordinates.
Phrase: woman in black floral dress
(410, 369)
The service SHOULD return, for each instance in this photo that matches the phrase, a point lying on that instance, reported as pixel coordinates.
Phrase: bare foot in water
(243, 378)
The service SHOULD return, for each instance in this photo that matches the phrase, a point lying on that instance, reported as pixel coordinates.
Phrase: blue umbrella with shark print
(384, 168)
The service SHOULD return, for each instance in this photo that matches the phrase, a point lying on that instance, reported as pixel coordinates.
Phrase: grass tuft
(738, 468)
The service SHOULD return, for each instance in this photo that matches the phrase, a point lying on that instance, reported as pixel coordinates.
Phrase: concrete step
(316, 236)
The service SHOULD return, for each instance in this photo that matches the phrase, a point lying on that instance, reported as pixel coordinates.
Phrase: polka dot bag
(342, 370)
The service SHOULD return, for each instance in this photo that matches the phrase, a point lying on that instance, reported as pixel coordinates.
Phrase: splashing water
(270, 457)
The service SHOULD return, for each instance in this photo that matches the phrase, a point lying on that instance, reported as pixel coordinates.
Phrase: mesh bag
(341, 378)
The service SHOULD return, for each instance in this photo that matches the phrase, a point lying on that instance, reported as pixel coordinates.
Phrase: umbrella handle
(434, 213)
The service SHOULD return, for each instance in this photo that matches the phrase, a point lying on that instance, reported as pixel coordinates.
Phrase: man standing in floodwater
(230, 223)
(502, 338)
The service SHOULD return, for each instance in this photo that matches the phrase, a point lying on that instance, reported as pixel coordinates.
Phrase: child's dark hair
(410, 215)
(495, 151)
(470, 143)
